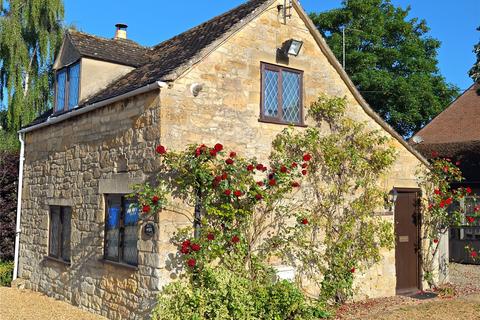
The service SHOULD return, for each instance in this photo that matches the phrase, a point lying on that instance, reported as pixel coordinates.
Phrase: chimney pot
(121, 32)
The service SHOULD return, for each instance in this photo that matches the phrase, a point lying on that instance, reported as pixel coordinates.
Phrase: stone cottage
(238, 79)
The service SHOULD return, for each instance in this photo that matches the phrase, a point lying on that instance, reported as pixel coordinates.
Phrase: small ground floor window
(59, 232)
(121, 230)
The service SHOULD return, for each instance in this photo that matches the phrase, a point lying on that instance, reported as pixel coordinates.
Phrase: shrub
(218, 293)
(6, 273)
(8, 203)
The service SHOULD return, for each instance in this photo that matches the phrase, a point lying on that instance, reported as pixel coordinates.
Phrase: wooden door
(407, 241)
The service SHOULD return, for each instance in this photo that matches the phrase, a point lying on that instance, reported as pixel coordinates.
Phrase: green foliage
(6, 273)
(9, 141)
(474, 72)
(248, 214)
(218, 293)
(391, 60)
(30, 36)
(345, 170)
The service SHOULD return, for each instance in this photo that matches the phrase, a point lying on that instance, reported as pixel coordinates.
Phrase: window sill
(49, 258)
(273, 121)
(119, 264)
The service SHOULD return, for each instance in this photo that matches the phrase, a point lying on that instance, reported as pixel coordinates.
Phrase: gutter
(18, 230)
(76, 112)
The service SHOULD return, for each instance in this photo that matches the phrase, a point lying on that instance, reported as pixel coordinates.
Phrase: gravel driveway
(18, 304)
(465, 305)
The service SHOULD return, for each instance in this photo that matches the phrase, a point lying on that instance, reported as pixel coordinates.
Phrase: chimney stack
(121, 32)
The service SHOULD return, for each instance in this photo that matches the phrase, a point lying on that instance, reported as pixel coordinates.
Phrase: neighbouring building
(232, 80)
(455, 134)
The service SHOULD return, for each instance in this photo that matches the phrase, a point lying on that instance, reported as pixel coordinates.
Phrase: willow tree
(30, 35)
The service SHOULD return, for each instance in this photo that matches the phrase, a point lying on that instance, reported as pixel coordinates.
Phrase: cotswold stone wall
(75, 163)
(227, 109)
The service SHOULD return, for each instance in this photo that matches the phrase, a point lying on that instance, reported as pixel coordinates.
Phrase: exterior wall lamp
(290, 47)
(392, 198)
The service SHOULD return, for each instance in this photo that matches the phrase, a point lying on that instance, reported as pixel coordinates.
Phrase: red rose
(186, 243)
(229, 161)
(304, 165)
(224, 176)
(445, 169)
(146, 209)
(304, 172)
(283, 169)
(235, 239)
(272, 182)
(191, 262)
(470, 219)
(185, 250)
(294, 165)
(155, 199)
(468, 190)
(211, 236)
(237, 193)
(476, 209)
(213, 152)
(233, 154)
(435, 240)
(434, 154)
(161, 150)
(442, 203)
(304, 221)
(473, 254)
(430, 206)
(259, 166)
(258, 196)
(307, 157)
(352, 270)
(218, 178)
(260, 183)
(448, 201)
(295, 184)
(228, 192)
(250, 167)
(195, 247)
(218, 147)
(436, 191)
(198, 152)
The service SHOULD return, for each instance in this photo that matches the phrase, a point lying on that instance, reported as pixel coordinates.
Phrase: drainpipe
(21, 137)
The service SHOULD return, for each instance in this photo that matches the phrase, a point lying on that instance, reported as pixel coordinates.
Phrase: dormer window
(67, 87)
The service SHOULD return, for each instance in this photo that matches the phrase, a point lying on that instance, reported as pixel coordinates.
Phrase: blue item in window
(113, 217)
(131, 215)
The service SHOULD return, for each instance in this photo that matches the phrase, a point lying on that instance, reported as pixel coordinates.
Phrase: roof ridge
(129, 41)
(209, 21)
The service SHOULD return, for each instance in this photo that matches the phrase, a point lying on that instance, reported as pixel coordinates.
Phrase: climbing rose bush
(239, 202)
(440, 209)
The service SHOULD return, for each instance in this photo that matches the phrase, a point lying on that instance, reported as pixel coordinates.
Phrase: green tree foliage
(30, 35)
(474, 72)
(391, 60)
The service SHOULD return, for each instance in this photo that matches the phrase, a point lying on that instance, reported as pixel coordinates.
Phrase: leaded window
(60, 232)
(121, 230)
(281, 95)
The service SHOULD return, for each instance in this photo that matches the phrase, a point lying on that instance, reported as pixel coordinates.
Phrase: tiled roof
(171, 55)
(460, 122)
(122, 51)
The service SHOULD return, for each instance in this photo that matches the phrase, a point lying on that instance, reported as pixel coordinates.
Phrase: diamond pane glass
(61, 81)
(66, 231)
(270, 94)
(291, 96)
(112, 237)
(54, 231)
